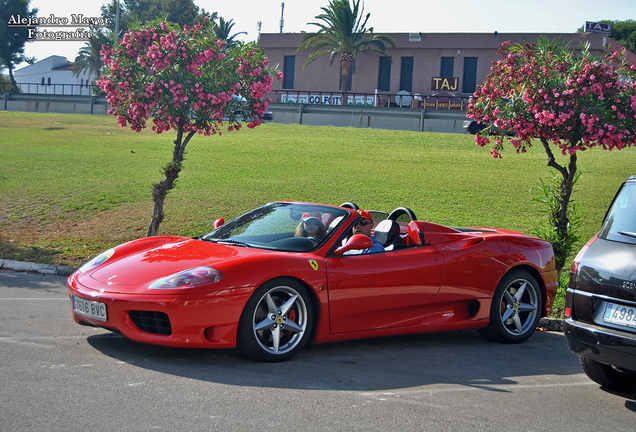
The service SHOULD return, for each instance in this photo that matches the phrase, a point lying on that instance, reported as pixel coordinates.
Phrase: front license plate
(91, 309)
(619, 314)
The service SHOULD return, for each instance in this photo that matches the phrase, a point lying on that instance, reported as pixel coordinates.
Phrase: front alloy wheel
(276, 323)
(516, 308)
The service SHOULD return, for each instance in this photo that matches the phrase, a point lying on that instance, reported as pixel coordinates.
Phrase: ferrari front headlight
(188, 279)
(97, 261)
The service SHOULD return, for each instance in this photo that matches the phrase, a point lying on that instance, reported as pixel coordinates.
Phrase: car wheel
(277, 321)
(608, 376)
(516, 308)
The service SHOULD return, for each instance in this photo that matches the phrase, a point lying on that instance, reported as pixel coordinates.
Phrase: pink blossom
(204, 86)
(575, 109)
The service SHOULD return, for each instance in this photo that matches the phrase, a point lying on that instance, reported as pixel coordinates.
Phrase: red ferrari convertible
(287, 273)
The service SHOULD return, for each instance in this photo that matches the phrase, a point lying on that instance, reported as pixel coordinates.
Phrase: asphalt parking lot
(59, 376)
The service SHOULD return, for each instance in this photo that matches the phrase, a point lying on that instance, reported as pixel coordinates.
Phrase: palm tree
(223, 30)
(89, 58)
(343, 33)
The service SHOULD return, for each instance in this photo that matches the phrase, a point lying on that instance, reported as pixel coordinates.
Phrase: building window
(288, 72)
(406, 74)
(43, 81)
(470, 75)
(447, 67)
(49, 81)
(384, 78)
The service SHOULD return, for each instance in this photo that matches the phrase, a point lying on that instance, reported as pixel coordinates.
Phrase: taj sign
(445, 84)
(594, 27)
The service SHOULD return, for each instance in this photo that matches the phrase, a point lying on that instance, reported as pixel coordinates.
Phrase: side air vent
(152, 322)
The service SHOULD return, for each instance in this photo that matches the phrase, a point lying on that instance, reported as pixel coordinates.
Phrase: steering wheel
(402, 211)
(351, 205)
(314, 239)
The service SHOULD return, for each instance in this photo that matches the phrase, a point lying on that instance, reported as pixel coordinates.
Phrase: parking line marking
(28, 299)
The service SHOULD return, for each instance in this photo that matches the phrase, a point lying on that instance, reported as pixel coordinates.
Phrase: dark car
(600, 304)
(474, 127)
(239, 102)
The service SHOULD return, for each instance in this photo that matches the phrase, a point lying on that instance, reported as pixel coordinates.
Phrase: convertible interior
(273, 226)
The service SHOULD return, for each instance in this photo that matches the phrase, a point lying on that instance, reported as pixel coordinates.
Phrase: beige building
(421, 64)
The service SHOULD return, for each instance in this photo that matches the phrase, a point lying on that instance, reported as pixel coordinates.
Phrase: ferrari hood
(145, 264)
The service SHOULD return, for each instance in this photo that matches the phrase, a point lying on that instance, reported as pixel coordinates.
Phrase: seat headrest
(386, 231)
(334, 223)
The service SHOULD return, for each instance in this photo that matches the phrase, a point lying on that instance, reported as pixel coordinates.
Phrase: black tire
(608, 376)
(277, 321)
(516, 308)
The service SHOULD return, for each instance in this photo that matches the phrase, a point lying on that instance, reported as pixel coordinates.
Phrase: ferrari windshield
(293, 227)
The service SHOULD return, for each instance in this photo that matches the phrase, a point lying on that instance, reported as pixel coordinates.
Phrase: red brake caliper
(291, 316)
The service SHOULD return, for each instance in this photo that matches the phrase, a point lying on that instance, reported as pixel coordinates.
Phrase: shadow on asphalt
(630, 403)
(461, 357)
(37, 282)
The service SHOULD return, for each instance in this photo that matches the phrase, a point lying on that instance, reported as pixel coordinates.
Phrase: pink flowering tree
(567, 100)
(188, 81)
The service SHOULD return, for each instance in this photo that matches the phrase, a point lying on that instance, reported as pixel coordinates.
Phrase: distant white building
(52, 75)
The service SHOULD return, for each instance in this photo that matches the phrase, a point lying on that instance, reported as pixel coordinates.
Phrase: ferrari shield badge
(313, 264)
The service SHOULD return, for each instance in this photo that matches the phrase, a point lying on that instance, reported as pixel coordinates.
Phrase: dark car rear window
(620, 224)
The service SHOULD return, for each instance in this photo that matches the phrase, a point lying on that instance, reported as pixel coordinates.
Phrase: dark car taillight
(579, 256)
(567, 311)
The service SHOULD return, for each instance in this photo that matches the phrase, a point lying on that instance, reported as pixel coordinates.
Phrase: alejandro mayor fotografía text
(75, 20)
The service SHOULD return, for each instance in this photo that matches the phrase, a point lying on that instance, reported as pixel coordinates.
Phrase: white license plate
(91, 309)
(619, 314)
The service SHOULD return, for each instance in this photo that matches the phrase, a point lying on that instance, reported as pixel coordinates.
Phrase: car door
(382, 290)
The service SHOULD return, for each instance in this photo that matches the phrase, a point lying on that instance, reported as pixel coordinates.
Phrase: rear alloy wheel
(516, 308)
(608, 376)
(277, 321)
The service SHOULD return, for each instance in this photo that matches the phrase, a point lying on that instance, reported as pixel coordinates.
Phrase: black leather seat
(386, 232)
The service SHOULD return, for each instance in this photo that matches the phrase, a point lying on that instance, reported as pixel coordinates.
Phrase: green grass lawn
(73, 185)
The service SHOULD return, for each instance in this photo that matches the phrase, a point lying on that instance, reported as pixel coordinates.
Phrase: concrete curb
(22, 266)
(551, 324)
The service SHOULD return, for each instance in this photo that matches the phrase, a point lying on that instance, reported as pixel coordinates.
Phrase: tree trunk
(14, 84)
(171, 171)
(344, 79)
(565, 193)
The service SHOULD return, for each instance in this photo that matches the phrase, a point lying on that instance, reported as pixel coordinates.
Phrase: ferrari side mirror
(358, 241)
(219, 222)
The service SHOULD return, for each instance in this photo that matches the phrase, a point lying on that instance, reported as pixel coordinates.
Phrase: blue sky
(387, 16)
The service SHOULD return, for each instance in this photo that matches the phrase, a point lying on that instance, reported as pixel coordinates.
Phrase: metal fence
(52, 89)
(60, 103)
(405, 118)
(443, 101)
(293, 97)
